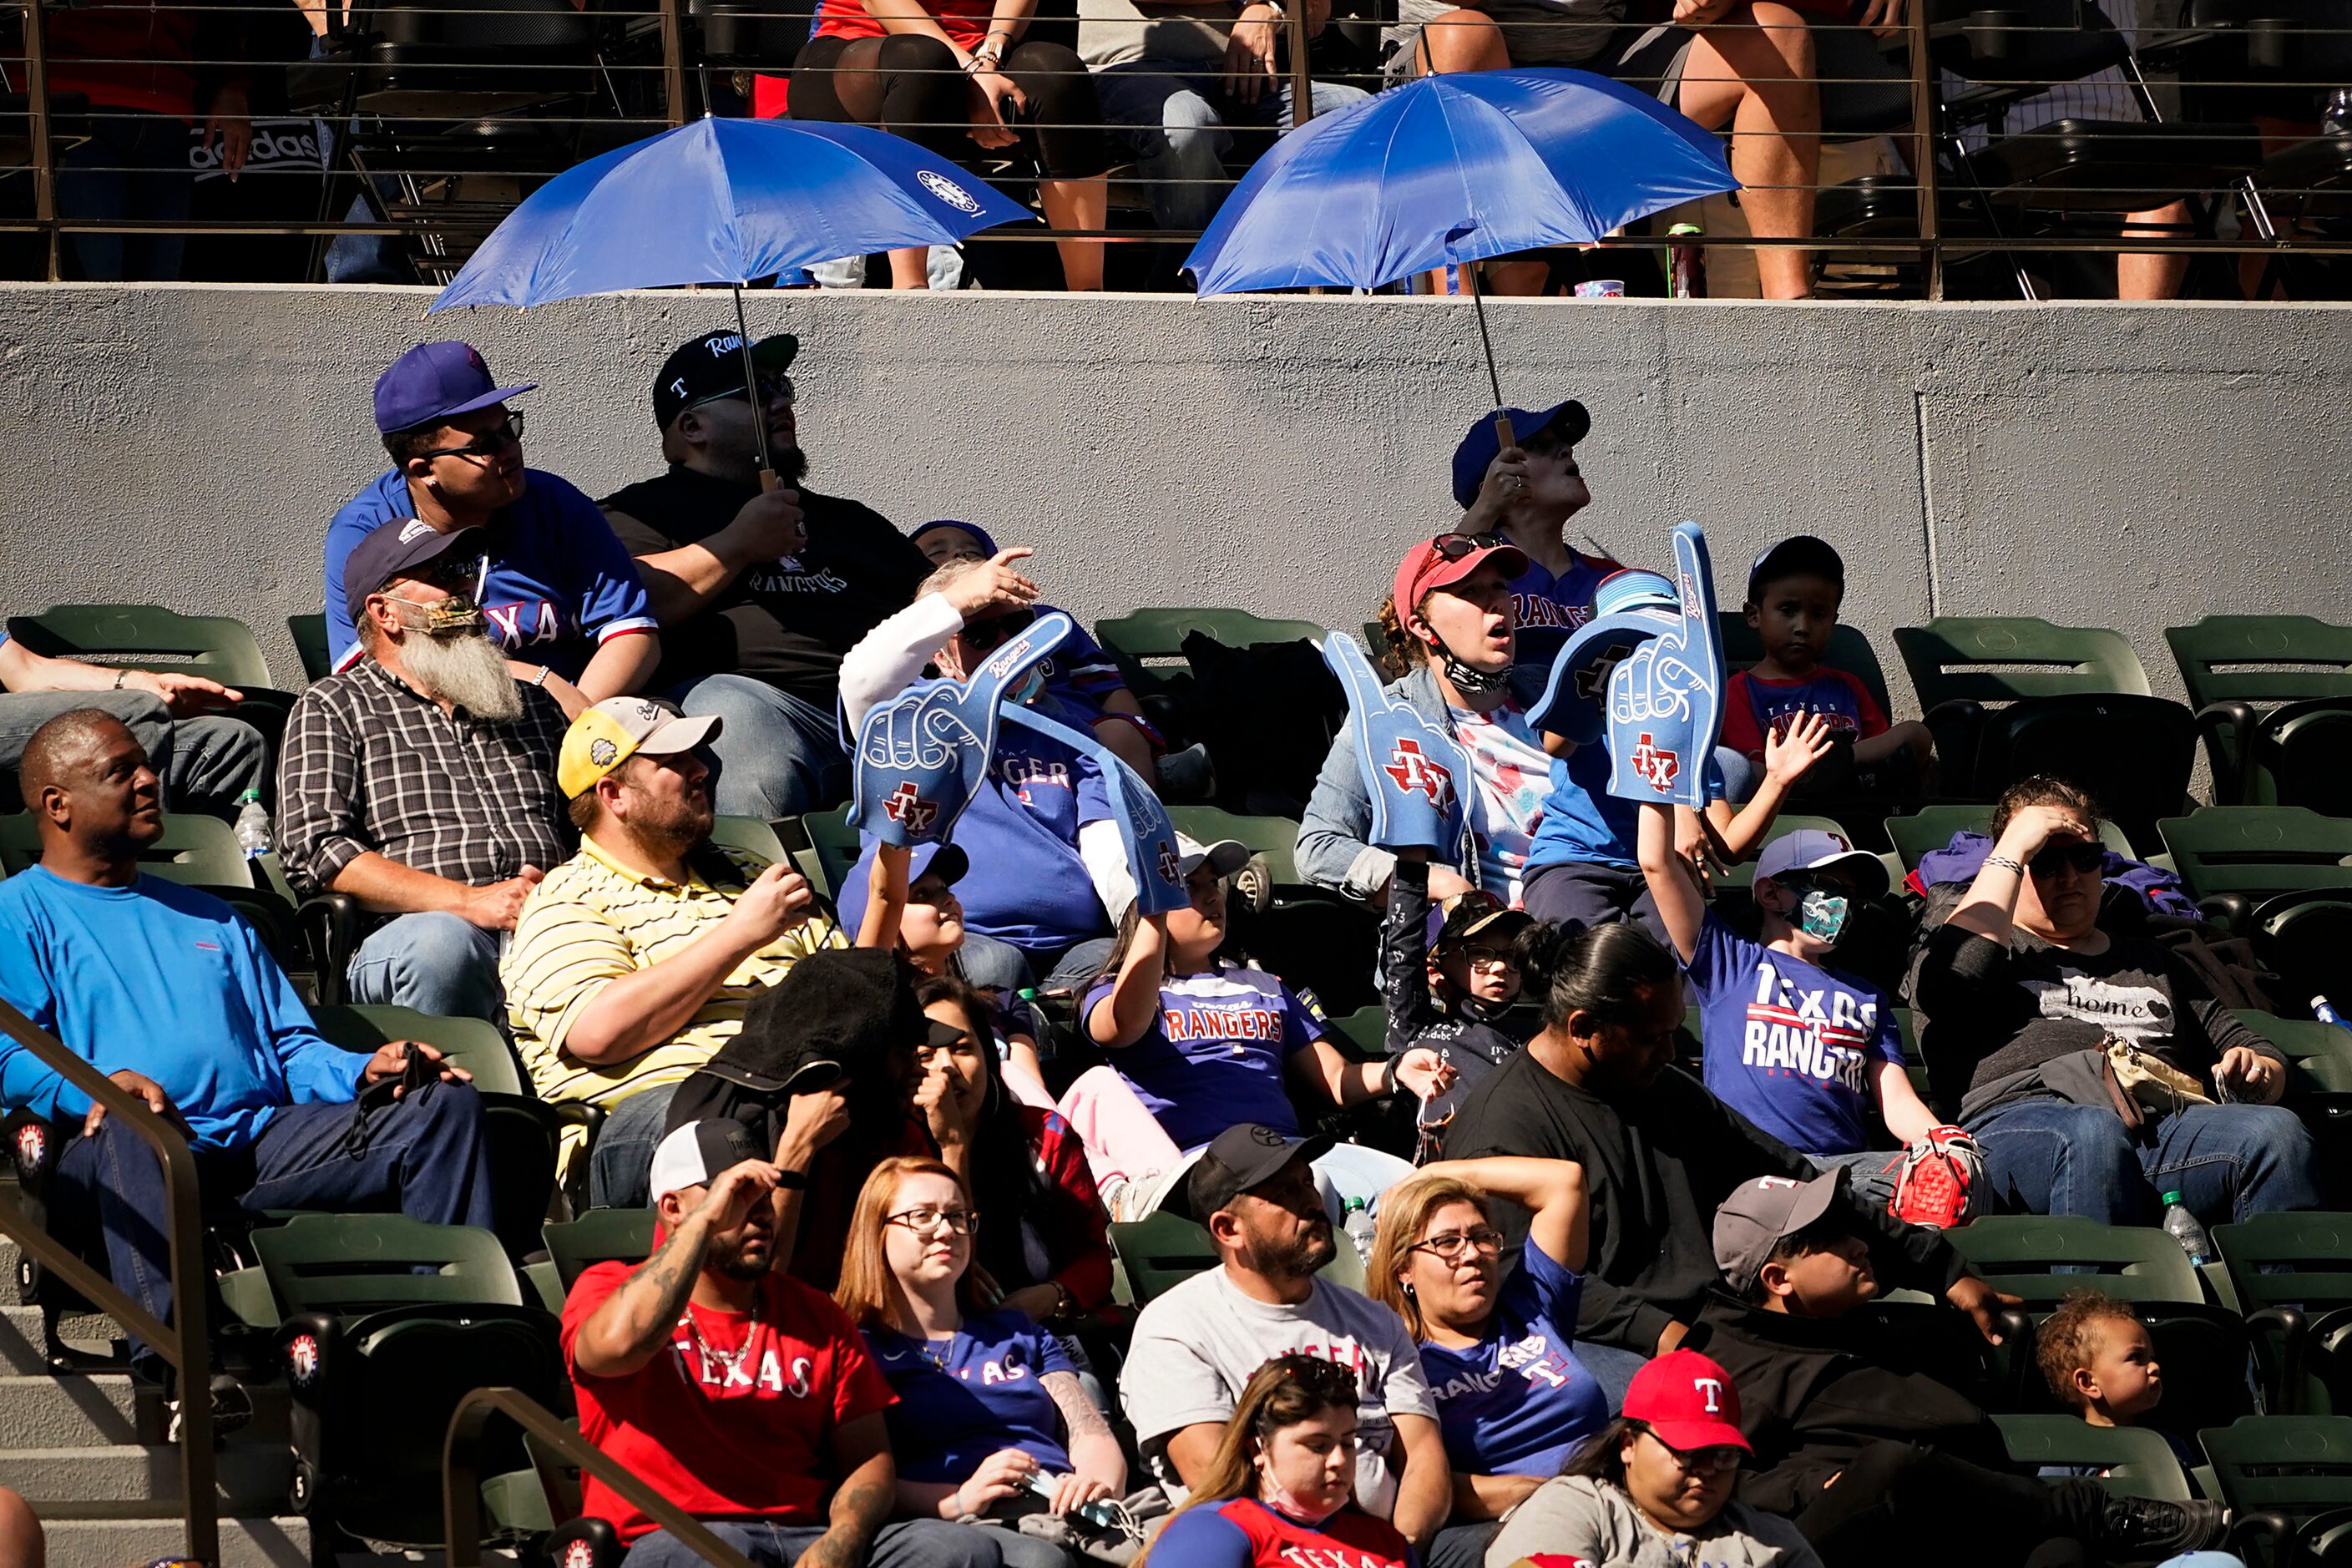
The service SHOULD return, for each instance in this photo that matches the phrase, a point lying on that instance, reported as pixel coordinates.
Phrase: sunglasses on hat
(1454, 546)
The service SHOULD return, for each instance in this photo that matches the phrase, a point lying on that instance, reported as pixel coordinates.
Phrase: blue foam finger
(1665, 698)
(1413, 770)
(1143, 825)
(924, 753)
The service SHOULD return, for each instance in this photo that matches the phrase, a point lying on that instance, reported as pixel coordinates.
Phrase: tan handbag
(2150, 1082)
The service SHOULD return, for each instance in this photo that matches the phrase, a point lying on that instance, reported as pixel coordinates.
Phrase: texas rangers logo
(1171, 870)
(1592, 680)
(947, 190)
(302, 1355)
(578, 1553)
(32, 1146)
(909, 809)
(1655, 766)
(1415, 773)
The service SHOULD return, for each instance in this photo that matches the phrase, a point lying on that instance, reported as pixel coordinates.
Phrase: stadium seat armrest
(2283, 1378)
(2232, 912)
(2319, 1536)
(585, 1542)
(2268, 1525)
(330, 925)
(1958, 726)
(2228, 729)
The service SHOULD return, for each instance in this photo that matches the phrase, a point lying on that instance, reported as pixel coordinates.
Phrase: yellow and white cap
(617, 729)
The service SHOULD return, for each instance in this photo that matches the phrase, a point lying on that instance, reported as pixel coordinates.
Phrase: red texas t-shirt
(724, 1439)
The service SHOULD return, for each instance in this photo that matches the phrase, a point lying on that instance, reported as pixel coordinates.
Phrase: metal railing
(461, 1495)
(183, 1343)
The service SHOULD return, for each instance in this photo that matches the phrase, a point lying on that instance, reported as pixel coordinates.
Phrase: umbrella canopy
(723, 201)
(1453, 168)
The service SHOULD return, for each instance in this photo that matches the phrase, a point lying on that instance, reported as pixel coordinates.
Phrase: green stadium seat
(196, 851)
(310, 634)
(2292, 1274)
(146, 636)
(599, 1236)
(2017, 1253)
(473, 1044)
(2320, 1055)
(2138, 1460)
(1276, 838)
(834, 847)
(1931, 827)
(2279, 874)
(2294, 1470)
(1142, 638)
(1363, 1033)
(2011, 659)
(2273, 701)
(1158, 1252)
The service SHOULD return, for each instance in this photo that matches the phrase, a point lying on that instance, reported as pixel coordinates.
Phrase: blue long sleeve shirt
(167, 982)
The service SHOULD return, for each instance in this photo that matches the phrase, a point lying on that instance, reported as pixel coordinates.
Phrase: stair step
(77, 1412)
(20, 1336)
(113, 1542)
(141, 1481)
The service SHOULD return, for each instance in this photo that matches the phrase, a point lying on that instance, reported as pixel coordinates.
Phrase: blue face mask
(1823, 915)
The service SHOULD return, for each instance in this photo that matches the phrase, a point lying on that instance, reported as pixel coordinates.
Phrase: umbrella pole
(1469, 271)
(759, 405)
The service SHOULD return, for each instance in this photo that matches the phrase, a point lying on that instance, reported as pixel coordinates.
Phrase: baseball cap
(1225, 857)
(1799, 555)
(711, 367)
(1443, 562)
(434, 382)
(610, 732)
(979, 534)
(1687, 1401)
(1465, 915)
(1240, 1158)
(1811, 848)
(1751, 1221)
(1479, 448)
(394, 550)
(944, 861)
(694, 1153)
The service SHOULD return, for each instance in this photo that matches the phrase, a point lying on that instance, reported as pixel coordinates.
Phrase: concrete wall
(2123, 466)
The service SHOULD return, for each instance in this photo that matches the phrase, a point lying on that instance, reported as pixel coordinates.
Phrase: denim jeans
(204, 764)
(2227, 1162)
(778, 754)
(620, 1167)
(1173, 114)
(134, 166)
(1868, 1177)
(424, 1156)
(436, 962)
(1612, 1367)
(908, 1543)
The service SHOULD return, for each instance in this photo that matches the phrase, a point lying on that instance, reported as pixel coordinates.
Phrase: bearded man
(421, 781)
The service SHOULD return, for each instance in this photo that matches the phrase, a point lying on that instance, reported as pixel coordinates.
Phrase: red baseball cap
(1689, 1401)
(1442, 562)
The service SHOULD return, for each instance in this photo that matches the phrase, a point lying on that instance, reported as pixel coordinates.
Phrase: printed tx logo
(1592, 680)
(1413, 771)
(1712, 1389)
(1654, 764)
(909, 809)
(1169, 867)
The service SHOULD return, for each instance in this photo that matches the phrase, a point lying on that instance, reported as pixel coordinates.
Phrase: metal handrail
(183, 1343)
(461, 1487)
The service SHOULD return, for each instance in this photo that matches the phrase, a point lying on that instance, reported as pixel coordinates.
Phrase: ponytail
(1601, 971)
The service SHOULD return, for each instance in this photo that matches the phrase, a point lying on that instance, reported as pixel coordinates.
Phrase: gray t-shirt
(1117, 33)
(1196, 1347)
(1577, 1517)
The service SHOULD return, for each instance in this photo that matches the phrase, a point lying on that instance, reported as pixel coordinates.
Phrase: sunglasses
(983, 636)
(2060, 857)
(1455, 546)
(506, 433)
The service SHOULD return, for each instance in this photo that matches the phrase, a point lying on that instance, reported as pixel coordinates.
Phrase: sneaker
(1188, 774)
(232, 1408)
(1254, 885)
(2139, 1527)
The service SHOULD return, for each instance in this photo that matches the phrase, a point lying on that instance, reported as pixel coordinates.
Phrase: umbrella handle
(768, 480)
(1502, 430)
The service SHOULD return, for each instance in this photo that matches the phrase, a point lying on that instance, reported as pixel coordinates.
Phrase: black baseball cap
(394, 550)
(1799, 555)
(711, 367)
(1241, 1157)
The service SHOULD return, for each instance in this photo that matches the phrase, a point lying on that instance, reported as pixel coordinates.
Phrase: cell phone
(1097, 1513)
(1008, 109)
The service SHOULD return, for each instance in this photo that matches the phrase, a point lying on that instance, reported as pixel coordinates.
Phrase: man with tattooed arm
(737, 1391)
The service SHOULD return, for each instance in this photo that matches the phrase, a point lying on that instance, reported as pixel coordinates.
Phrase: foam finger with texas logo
(1412, 771)
(1647, 672)
(922, 754)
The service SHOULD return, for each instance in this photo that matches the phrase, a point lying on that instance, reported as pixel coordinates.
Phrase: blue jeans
(620, 1167)
(2227, 1162)
(1613, 1368)
(1868, 1177)
(206, 763)
(134, 166)
(778, 754)
(1173, 114)
(908, 1543)
(424, 1156)
(436, 962)
(993, 965)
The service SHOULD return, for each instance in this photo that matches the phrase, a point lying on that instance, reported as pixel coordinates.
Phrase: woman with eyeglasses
(1499, 1355)
(1048, 1257)
(1279, 1490)
(1653, 1488)
(992, 1422)
(2096, 1069)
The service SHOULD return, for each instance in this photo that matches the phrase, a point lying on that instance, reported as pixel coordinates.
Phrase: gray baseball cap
(1758, 1213)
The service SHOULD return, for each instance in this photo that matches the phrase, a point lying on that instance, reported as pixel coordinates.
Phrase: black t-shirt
(785, 622)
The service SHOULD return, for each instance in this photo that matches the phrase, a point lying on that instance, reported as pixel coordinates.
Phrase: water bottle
(252, 824)
(2182, 1227)
(2321, 1010)
(1357, 1223)
(2336, 118)
(1685, 263)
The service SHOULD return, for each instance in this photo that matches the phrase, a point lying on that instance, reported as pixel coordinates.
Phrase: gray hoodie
(1577, 1517)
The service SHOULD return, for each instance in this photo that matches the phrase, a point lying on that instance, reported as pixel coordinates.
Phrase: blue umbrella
(1455, 168)
(724, 201)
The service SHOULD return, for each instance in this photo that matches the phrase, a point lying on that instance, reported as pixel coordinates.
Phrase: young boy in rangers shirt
(741, 1395)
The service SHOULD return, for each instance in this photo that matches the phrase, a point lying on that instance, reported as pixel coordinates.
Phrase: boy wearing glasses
(1450, 970)
(558, 592)
(1853, 1434)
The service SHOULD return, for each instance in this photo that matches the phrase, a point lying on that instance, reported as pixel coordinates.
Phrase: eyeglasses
(1711, 1461)
(1489, 957)
(983, 636)
(925, 1220)
(1450, 1244)
(2084, 856)
(457, 574)
(773, 389)
(507, 432)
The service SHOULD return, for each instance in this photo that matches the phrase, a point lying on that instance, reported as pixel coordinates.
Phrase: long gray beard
(469, 670)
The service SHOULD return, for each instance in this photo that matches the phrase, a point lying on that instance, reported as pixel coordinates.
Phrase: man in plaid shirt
(421, 781)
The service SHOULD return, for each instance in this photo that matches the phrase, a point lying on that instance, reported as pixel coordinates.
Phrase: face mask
(447, 616)
(1034, 683)
(1821, 914)
(1473, 682)
(1285, 1502)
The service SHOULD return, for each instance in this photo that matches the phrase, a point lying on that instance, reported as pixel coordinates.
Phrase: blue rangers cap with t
(435, 382)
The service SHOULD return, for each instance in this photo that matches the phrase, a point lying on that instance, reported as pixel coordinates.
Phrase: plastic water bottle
(252, 824)
(1357, 1220)
(2326, 1013)
(2182, 1227)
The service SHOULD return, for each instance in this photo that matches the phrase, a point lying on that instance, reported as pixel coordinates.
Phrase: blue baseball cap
(395, 550)
(1478, 448)
(434, 382)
